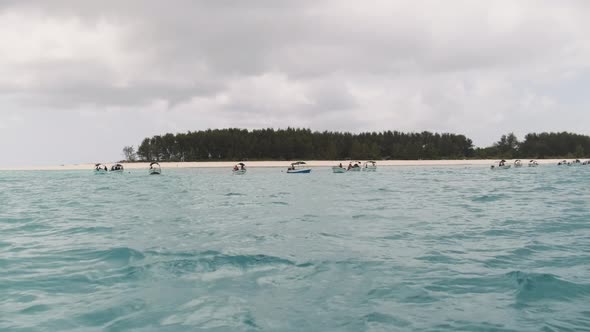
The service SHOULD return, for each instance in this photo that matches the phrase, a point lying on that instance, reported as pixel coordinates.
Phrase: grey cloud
(459, 66)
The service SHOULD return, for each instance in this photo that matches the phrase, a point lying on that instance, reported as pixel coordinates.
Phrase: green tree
(129, 153)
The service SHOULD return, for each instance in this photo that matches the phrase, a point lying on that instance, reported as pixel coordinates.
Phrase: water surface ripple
(402, 249)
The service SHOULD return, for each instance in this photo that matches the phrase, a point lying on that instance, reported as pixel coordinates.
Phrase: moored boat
(576, 162)
(370, 166)
(299, 167)
(338, 169)
(155, 169)
(239, 169)
(354, 168)
(533, 163)
(117, 168)
(100, 169)
(517, 163)
(501, 165)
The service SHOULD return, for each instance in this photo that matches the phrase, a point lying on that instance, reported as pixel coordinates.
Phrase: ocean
(402, 249)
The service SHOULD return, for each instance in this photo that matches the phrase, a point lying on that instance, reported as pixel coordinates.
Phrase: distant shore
(279, 164)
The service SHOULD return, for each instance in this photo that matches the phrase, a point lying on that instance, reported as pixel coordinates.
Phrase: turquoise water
(408, 249)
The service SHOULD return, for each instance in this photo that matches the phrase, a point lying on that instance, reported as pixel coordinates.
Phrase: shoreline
(274, 164)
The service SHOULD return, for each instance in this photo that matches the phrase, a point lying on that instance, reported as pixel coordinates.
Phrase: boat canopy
(99, 164)
(370, 162)
(241, 164)
(298, 163)
(154, 163)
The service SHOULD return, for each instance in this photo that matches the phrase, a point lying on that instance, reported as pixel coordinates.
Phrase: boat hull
(501, 167)
(355, 169)
(101, 172)
(370, 169)
(239, 172)
(337, 169)
(299, 171)
(155, 172)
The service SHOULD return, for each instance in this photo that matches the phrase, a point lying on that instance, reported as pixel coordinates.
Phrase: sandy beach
(278, 164)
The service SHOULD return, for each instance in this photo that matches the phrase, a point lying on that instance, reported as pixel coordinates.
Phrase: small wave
(115, 256)
(88, 230)
(385, 190)
(15, 220)
(377, 318)
(436, 257)
(489, 198)
(279, 203)
(544, 286)
(34, 309)
(234, 194)
(402, 293)
(498, 232)
(121, 256)
(224, 313)
(213, 261)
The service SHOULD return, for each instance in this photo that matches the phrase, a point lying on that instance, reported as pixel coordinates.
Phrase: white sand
(284, 164)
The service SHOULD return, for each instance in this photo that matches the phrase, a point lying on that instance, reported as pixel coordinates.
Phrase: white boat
(533, 163)
(501, 165)
(354, 168)
(338, 169)
(370, 166)
(155, 169)
(100, 169)
(517, 163)
(239, 169)
(117, 168)
(299, 167)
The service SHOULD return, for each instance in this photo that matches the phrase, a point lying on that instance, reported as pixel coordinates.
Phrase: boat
(299, 167)
(501, 165)
(354, 168)
(533, 163)
(100, 169)
(155, 169)
(338, 169)
(563, 162)
(239, 169)
(370, 166)
(517, 163)
(117, 168)
(576, 162)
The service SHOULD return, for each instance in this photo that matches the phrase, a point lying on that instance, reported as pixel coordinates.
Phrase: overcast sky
(81, 79)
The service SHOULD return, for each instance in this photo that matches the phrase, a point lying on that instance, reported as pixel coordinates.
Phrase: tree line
(539, 146)
(304, 144)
